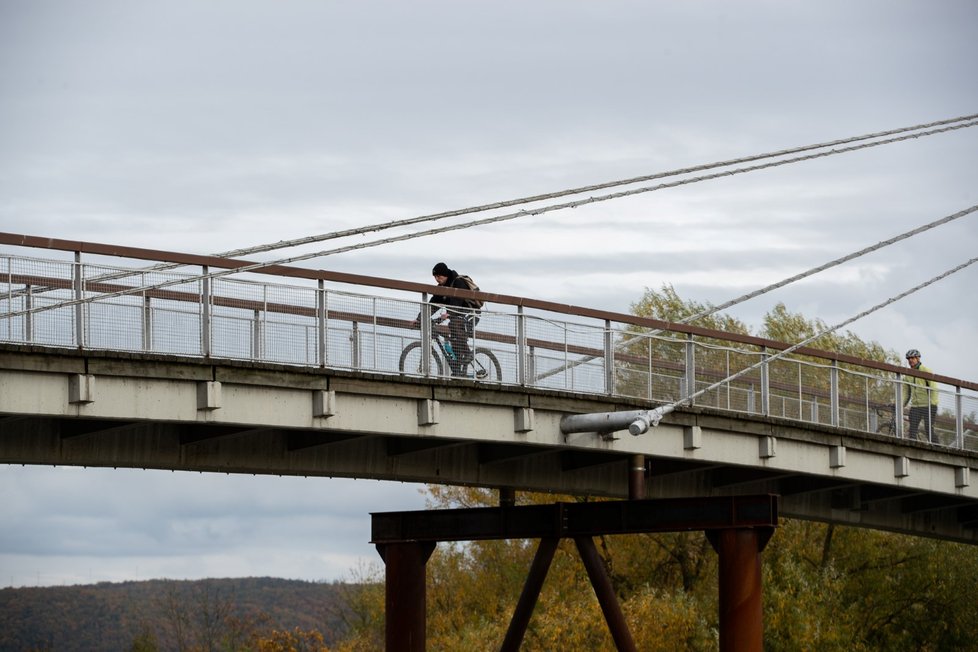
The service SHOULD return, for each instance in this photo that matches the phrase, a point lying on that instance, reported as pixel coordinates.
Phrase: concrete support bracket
(209, 395)
(523, 420)
(323, 403)
(901, 467)
(962, 477)
(428, 412)
(837, 457)
(81, 389)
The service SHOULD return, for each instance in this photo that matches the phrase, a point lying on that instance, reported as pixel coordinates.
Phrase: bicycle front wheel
(485, 366)
(411, 362)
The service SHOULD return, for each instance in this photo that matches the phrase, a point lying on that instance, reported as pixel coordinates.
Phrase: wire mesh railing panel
(29, 287)
(304, 323)
(637, 369)
(382, 334)
(238, 334)
(348, 318)
(499, 333)
(945, 422)
(668, 368)
(565, 355)
(54, 327)
(282, 320)
(715, 364)
(115, 324)
(176, 328)
(969, 421)
(798, 385)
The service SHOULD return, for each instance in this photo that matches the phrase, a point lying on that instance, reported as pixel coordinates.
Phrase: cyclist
(460, 313)
(921, 396)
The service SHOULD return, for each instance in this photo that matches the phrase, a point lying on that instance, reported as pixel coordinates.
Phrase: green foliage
(667, 305)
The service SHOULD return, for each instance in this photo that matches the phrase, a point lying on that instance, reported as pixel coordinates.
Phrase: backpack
(475, 304)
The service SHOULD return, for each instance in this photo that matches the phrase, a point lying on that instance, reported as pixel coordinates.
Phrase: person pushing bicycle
(461, 314)
(920, 395)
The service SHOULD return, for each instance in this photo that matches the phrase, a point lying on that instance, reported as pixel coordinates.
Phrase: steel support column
(606, 594)
(636, 477)
(741, 621)
(737, 526)
(404, 600)
(507, 497)
(531, 591)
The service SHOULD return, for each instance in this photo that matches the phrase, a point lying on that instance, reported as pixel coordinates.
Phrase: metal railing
(301, 321)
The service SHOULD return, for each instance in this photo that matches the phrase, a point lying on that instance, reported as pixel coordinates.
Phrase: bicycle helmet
(913, 353)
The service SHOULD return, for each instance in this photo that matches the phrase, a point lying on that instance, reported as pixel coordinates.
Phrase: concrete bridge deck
(104, 408)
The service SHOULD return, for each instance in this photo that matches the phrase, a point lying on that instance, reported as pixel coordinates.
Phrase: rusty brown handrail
(157, 255)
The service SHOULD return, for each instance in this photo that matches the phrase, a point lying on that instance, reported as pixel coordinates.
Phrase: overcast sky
(204, 126)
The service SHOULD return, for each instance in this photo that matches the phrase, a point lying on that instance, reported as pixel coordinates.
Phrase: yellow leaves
(296, 640)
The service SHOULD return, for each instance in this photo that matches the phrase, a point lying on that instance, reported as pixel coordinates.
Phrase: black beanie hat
(441, 269)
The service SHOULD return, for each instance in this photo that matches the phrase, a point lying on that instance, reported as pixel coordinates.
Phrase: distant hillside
(162, 614)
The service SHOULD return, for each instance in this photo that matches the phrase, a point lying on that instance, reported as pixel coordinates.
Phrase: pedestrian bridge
(126, 357)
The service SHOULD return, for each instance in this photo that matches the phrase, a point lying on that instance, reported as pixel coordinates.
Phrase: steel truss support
(737, 526)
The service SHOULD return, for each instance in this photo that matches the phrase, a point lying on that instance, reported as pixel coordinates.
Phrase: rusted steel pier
(738, 527)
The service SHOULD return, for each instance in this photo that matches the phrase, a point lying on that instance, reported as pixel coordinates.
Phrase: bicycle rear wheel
(411, 362)
(484, 366)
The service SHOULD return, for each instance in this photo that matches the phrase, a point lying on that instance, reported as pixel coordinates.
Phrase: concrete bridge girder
(189, 414)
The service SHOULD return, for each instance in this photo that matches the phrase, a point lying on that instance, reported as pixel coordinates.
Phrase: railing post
(29, 317)
(651, 376)
(765, 384)
(609, 359)
(256, 336)
(425, 317)
(79, 307)
(898, 407)
(373, 338)
(521, 350)
(205, 313)
(321, 324)
(726, 368)
(147, 323)
(355, 346)
(958, 418)
(690, 375)
(834, 392)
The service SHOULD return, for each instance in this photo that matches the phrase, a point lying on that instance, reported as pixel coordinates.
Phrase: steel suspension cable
(499, 218)
(653, 416)
(830, 264)
(382, 226)
(774, 286)
(283, 244)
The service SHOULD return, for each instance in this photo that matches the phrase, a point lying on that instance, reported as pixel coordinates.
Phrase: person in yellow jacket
(921, 396)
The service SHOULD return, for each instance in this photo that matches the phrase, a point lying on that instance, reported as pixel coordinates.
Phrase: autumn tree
(826, 587)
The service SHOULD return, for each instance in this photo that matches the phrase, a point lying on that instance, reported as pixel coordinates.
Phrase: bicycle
(886, 424)
(442, 361)
(886, 421)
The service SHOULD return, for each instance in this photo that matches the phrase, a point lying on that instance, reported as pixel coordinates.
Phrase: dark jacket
(449, 301)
